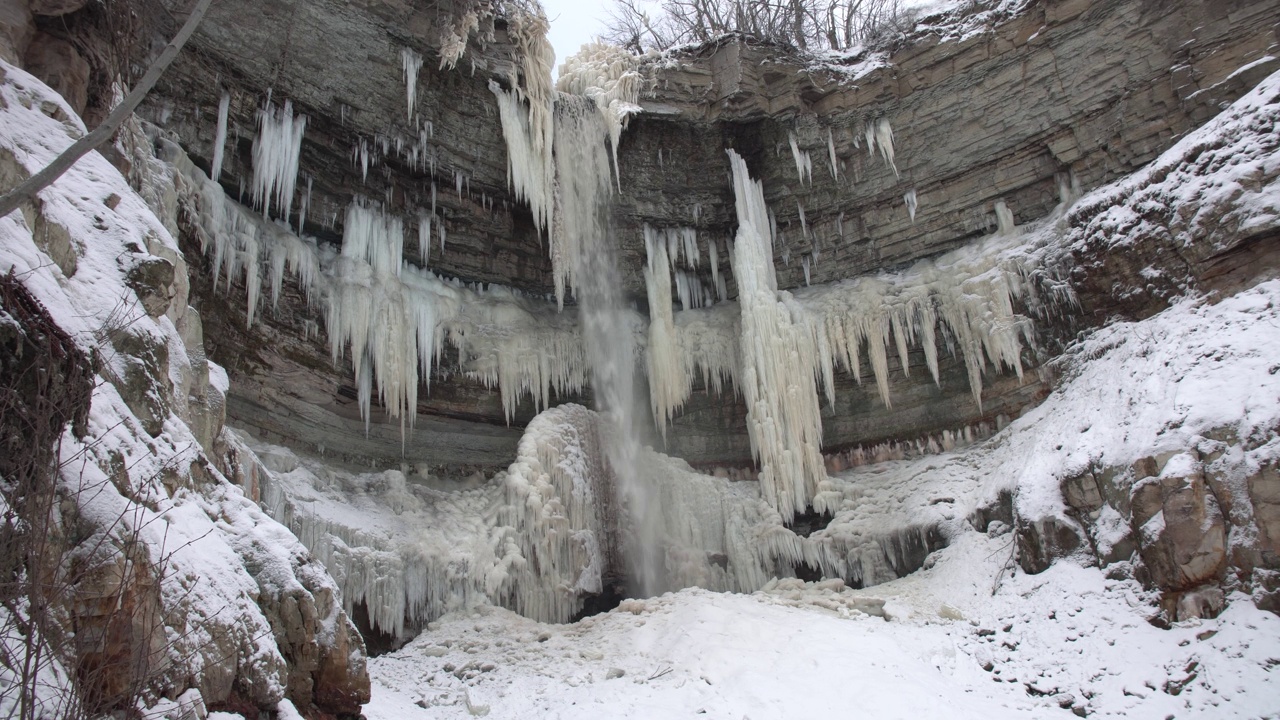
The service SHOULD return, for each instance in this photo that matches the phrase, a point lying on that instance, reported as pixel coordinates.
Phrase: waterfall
(581, 222)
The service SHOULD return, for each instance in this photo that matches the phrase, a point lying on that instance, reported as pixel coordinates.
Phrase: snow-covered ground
(1066, 638)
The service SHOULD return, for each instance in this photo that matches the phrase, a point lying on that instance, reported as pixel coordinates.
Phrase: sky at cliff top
(574, 23)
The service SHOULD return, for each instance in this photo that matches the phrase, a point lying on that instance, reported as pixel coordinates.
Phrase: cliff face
(1017, 108)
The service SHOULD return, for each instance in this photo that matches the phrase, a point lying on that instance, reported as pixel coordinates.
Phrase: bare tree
(804, 24)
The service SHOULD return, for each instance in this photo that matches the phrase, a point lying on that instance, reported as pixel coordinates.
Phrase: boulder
(1180, 528)
(54, 8)
(1042, 541)
(152, 278)
(1264, 493)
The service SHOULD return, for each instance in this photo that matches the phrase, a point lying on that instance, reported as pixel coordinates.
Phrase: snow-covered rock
(176, 582)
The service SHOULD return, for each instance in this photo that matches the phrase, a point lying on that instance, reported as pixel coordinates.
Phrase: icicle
(713, 255)
(804, 226)
(220, 140)
(831, 155)
(457, 181)
(805, 263)
(910, 199)
(275, 157)
(412, 63)
(304, 207)
(424, 236)
(804, 163)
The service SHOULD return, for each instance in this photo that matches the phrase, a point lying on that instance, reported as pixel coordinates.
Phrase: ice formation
(1004, 218)
(391, 317)
(608, 75)
(778, 357)
(879, 134)
(276, 152)
(912, 203)
(530, 173)
(804, 163)
(831, 156)
(220, 139)
(424, 236)
(412, 63)
(453, 38)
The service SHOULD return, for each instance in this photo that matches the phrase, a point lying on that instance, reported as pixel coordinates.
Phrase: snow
(1065, 638)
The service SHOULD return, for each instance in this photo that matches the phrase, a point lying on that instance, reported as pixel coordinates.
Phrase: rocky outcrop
(1193, 525)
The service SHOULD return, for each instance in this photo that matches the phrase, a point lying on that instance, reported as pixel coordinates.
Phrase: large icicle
(530, 173)
(526, 113)
(779, 359)
(220, 139)
(275, 157)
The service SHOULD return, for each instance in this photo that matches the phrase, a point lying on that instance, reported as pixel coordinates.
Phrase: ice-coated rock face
(996, 112)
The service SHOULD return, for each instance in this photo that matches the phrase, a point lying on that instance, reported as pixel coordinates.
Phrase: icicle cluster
(879, 134)
(391, 317)
(677, 353)
(276, 152)
(804, 163)
(453, 38)
(969, 292)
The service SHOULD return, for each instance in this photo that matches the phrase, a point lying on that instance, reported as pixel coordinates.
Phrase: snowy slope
(219, 562)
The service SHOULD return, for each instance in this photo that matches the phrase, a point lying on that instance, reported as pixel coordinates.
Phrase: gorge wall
(999, 107)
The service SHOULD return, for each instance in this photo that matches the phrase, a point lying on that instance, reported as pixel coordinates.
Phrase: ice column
(778, 361)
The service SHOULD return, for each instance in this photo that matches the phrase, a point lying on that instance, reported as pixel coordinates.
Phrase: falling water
(582, 174)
